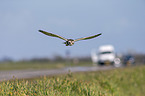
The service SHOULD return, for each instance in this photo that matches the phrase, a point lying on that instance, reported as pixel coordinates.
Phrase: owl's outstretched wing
(90, 37)
(53, 35)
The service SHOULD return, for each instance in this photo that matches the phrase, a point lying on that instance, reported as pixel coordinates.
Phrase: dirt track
(20, 74)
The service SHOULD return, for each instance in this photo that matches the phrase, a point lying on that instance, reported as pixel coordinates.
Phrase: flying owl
(68, 42)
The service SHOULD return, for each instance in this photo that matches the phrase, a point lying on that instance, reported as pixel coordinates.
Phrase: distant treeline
(139, 59)
(46, 59)
(62, 59)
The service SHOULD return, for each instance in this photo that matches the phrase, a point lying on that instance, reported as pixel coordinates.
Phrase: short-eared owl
(69, 42)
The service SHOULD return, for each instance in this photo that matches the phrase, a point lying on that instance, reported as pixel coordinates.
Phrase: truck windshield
(107, 52)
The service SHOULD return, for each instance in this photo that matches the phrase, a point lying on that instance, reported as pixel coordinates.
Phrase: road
(22, 74)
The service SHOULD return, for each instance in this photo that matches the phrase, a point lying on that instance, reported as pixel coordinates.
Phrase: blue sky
(122, 23)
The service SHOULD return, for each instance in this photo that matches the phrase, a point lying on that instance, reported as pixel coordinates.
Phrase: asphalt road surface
(22, 74)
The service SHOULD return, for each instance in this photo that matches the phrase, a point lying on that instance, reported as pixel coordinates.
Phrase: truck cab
(106, 55)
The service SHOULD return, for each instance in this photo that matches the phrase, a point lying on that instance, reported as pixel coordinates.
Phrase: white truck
(106, 55)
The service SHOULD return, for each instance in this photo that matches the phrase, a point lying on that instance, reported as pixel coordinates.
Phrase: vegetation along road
(31, 73)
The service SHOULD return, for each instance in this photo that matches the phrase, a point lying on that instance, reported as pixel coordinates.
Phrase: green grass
(39, 65)
(128, 81)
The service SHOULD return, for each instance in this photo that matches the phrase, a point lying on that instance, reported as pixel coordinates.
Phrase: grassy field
(129, 81)
(39, 65)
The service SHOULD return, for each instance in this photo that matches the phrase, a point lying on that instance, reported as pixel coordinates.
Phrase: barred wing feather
(51, 34)
(90, 37)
